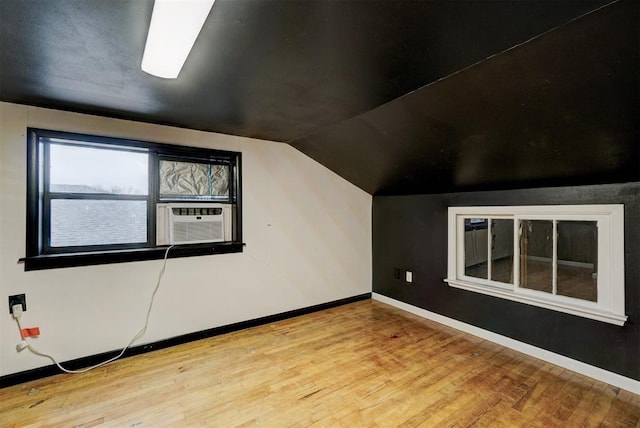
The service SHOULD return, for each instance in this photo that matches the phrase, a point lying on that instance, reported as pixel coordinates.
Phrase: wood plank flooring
(364, 364)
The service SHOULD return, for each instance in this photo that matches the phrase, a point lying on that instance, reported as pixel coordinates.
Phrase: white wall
(308, 235)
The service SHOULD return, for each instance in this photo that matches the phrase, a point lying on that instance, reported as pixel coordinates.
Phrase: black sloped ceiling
(562, 109)
(323, 75)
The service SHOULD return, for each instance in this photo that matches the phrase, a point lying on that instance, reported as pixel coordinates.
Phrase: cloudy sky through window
(114, 171)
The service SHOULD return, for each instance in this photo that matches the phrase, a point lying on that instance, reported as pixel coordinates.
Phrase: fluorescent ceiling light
(175, 25)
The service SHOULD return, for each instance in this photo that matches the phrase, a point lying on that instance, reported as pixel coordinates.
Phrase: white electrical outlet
(408, 276)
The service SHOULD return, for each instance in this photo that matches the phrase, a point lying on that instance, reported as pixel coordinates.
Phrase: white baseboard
(594, 372)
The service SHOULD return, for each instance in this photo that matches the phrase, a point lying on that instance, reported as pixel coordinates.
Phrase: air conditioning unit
(192, 223)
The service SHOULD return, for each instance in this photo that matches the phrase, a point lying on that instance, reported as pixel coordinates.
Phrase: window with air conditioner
(564, 258)
(182, 223)
(95, 199)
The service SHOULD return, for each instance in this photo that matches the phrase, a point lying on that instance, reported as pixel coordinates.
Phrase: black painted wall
(410, 232)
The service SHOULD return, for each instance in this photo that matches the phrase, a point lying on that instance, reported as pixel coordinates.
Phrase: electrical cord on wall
(17, 313)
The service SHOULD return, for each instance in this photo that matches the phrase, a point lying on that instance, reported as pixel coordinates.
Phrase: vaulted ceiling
(395, 96)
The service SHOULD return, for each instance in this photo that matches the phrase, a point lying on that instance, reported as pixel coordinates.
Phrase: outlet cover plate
(17, 299)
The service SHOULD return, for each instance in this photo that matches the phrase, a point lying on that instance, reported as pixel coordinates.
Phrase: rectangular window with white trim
(566, 258)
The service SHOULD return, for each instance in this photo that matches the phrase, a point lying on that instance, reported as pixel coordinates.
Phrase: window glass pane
(475, 247)
(578, 259)
(83, 222)
(220, 180)
(536, 255)
(190, 180)
(78, 169)
(502, 250)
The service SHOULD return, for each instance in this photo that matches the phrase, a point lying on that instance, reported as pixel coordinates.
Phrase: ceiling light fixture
(175, 25)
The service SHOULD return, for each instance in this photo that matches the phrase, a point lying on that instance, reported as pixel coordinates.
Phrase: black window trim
(48, 196)
(39, 255)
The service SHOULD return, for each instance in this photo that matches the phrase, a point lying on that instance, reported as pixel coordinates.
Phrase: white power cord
(17, 314)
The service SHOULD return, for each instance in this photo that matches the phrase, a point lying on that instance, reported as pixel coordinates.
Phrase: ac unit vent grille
(194, 223)
(209, 231)
(196, 211)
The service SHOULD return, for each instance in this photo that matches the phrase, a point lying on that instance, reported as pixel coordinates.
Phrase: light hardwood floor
(363, 364)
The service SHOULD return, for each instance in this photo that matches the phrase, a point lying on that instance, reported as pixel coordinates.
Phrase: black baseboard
(41, 372)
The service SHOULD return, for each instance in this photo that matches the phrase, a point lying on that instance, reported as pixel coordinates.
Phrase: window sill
(54, 261)
(607, 317)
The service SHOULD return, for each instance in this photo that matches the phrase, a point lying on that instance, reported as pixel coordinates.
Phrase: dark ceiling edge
(109, 115)
(538, 184)
(455, 73)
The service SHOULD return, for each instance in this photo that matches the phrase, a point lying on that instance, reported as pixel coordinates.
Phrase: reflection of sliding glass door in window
(536, 255)
(563, 262)
(475, 246)
(502, 250)
(488, 244)
(577, 266)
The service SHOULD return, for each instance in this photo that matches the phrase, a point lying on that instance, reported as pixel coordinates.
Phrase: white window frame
(610, 280)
